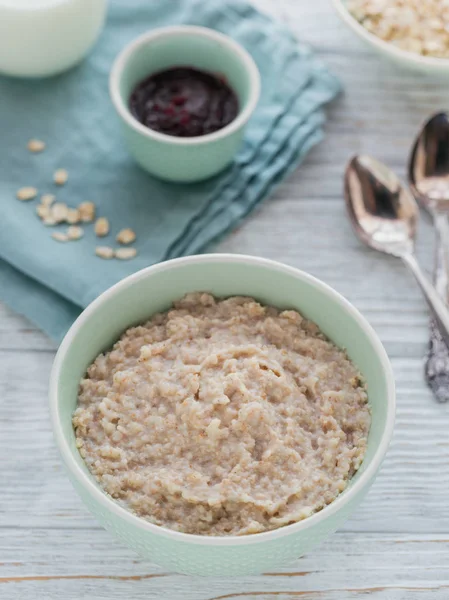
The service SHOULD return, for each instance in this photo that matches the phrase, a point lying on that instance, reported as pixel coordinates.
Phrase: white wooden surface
(396, 547)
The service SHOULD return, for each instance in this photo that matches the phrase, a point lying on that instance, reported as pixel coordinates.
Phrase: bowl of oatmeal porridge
(412, 34)
(221, 414)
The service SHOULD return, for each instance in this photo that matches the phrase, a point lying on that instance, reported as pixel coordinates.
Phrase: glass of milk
(44, 37)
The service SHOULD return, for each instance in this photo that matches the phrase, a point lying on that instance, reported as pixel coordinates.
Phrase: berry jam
(184, 102)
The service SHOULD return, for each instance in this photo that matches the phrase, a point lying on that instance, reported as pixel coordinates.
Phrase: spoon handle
(438, 308)
(437, 358)
(441, 273)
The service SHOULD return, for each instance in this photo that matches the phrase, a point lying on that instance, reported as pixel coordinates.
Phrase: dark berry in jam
(184, 102)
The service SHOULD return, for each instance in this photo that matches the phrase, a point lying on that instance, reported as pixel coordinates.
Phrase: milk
(44, 37)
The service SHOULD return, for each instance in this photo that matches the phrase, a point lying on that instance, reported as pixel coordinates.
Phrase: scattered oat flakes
(36, 146)
(126, 236)
(49, 221)
(48, 199)
(60, 177)
(27, 193)
(59, 236)
(75, 233)
(125, 253)
(102, 227)
(104, 252)
(43, 211)
(73, 216)
(87, 211)
(59, 211)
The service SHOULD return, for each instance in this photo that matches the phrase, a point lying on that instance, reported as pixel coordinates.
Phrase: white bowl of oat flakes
(411, 33)
(207, 419)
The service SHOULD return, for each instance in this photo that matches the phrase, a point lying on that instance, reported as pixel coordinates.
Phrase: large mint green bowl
(151, 290)
(176, 158)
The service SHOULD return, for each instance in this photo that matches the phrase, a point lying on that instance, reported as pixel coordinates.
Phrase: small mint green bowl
(175, 158)
(151, 290)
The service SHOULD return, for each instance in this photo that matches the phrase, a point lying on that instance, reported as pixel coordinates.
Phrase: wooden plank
(47, 564)
(17, 333)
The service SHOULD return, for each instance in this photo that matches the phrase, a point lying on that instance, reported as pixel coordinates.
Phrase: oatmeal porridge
(223, 417)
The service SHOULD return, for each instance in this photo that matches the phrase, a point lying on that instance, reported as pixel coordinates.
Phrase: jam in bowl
(184, 102)
(184, 95)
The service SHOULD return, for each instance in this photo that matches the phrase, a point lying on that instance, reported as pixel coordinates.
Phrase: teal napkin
(52, 282)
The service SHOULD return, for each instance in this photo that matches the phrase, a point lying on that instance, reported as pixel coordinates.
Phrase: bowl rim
(86, 482)
(386, 47)
(121, 62)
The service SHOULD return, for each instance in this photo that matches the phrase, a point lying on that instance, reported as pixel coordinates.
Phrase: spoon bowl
(384, 216)
(429, 164)
(383, 213)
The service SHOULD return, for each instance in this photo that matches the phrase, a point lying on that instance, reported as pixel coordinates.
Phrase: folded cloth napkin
(52, 282)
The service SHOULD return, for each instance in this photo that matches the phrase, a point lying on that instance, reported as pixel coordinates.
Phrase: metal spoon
(384, 216)
(428, 175)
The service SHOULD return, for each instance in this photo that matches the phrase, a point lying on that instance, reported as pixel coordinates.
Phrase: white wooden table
(396, 547)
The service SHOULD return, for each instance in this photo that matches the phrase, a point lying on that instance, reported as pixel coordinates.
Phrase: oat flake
(36, 146)
(60, 177)
(59, 236)
(42, 211)
(102, 227)
(26, 193)
(73, 216)
(104, 252)
(126, 236)
(59, 212)
(125, 253)
(48, 199)
(87, 211)
(75, 233)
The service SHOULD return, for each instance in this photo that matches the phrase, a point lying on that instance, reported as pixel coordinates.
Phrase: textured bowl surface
(151, 290)
(170, 157)
(409, 60)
